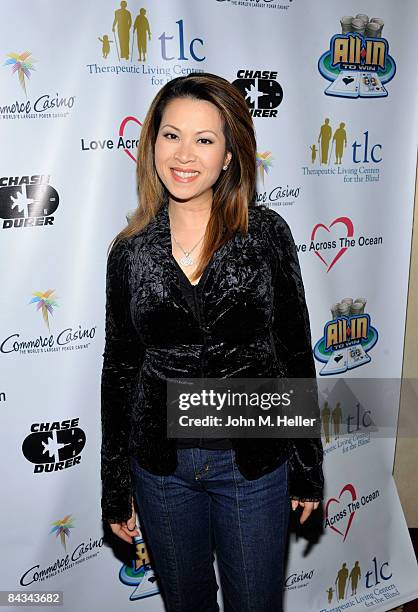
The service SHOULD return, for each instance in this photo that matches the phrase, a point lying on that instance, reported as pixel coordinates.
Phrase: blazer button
(206, 329)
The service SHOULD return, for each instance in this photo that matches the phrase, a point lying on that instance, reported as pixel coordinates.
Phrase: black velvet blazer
(253, 323)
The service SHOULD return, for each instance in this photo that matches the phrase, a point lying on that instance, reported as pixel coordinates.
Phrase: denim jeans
(207, 503)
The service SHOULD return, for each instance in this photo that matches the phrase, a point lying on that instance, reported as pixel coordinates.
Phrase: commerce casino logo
(27, 201)
(261, 91)
(43, 106)
(348, 338)
(279, 195)
(54, 446)
(82, 550)
(261, 4)
(358, 63)
(71, 338)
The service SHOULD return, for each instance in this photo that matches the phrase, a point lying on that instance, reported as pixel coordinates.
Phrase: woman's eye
(169, 134)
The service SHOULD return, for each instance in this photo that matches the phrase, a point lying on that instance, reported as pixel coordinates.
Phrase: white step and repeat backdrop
(332, 89)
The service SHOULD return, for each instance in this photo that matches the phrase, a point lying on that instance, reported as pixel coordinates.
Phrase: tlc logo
(180, 44)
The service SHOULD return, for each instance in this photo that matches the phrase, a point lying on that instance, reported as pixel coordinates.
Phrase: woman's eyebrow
(178, 130)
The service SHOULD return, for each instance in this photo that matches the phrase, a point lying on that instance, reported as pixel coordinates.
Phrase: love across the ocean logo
(345, 508)
(332, 239)
(125, 141)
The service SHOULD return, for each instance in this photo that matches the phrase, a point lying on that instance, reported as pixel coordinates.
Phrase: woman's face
(190, 148)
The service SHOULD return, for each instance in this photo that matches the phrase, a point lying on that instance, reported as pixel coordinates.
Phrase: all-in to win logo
(27, 201)
(357, 62)
(348, 338)
(140, 574)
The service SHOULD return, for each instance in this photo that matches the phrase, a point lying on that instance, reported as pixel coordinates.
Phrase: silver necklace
(186, 260)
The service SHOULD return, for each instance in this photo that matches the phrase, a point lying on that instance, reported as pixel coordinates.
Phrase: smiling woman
(203, 284)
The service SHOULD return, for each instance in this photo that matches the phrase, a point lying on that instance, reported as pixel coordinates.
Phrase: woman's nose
(185, 152)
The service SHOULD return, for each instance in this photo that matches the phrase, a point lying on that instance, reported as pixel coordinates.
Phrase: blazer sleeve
(292, 336)
(122, 358)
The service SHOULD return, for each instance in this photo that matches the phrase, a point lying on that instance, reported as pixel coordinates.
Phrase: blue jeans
(207, 503)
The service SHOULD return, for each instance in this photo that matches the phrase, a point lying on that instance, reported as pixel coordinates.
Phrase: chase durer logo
(27, 201)
(54, 446)
(261, 91)
(357, 62)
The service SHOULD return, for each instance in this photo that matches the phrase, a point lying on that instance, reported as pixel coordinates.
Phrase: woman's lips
(183, 179)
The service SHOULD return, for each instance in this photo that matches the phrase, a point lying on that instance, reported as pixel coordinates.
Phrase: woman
(202, 283)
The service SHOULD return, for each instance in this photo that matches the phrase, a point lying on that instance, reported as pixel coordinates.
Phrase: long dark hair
(234, 189)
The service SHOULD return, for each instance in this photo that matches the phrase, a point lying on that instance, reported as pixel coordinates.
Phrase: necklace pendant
(186, 260)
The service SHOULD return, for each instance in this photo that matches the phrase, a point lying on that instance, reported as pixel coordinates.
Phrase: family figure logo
(357, 62)
(124, 37)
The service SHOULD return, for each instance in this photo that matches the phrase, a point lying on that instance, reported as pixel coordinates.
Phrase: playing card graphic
(346, 84)
(356, 356)
(371, 85)
(336, 364)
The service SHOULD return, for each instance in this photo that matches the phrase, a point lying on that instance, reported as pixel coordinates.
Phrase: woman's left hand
(308, 507)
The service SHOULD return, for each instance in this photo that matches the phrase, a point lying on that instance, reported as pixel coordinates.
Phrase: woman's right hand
(127, 529)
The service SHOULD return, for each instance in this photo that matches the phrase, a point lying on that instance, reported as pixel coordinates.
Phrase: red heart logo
(352, 491)
(350, 232)
(122, 131)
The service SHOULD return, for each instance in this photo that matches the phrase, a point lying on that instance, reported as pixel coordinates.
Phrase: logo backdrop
(331, 88)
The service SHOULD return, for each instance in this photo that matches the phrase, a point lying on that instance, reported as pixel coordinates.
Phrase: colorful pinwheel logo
(62, 528)
(20, 63)
(264, 163)
(46, 302)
